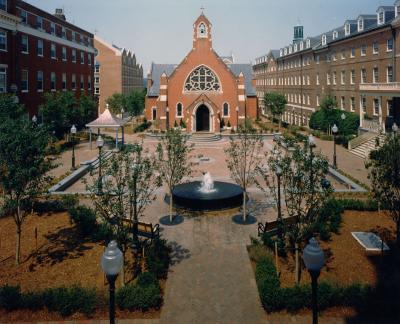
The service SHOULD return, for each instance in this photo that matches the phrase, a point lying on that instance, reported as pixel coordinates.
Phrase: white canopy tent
(107, 120)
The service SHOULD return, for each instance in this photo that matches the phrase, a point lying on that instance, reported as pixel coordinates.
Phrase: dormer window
(397, 11)
(285, 50)
(360, 25)
(381, 17)
(335, 34)
(281, 52)
(202, 31)
(295, 47)
(290, 49)
(308, 43)
(301, 46)
(347, 29)
(323, 39)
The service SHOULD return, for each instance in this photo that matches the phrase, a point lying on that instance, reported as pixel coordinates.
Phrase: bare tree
(174, 161)
(243, 156)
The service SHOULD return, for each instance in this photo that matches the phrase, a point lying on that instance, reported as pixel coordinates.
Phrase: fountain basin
(225, 195)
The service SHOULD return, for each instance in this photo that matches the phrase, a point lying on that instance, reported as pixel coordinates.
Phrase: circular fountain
(207, 195)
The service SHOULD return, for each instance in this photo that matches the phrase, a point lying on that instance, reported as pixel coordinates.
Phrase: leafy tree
(88, 110)
(174, 161)
(128, 187)
(23, 168)
(117, 102)
(328, 103)
(243, 156)
(305, 191)
(384, 172)
(276, 102)
(9, 108)
(135, 102)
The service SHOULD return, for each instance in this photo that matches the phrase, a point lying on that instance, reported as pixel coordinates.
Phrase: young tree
(88, 110)
(128, 187)
(305, 191)
(23, 168)
(384, 172)
(117, 102)
(174, 161)
(243, 156)
(276, 102)
(135, 102)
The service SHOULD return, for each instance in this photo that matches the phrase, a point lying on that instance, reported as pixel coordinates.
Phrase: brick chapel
(205, 90)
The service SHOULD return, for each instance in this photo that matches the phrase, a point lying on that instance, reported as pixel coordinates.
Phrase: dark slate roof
(158, 69)
(275, 53)
(247, 70)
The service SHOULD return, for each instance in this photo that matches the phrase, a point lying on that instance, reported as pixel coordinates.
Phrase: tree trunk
(18, 248)
(279, 124)
(170, 206)
(297, 260)
(398, 231)
(244, 207)
(123, 270)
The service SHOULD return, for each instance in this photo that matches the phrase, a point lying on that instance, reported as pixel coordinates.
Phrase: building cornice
(8, 21)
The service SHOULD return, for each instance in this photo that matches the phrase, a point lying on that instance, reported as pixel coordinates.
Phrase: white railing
(389, 86)
(371, 125)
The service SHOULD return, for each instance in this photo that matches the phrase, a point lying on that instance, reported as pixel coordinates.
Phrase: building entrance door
(203, 119)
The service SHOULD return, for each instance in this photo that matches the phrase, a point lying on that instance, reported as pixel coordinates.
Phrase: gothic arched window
(226, 109)
(202, 79)
(179, 110)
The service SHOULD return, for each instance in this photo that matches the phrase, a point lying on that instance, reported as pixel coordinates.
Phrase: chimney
(60, 14)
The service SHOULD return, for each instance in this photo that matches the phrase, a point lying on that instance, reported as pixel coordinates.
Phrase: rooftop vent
(60, 14)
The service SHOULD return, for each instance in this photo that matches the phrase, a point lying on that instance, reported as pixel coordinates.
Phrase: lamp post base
(111, 282)
(314, 285)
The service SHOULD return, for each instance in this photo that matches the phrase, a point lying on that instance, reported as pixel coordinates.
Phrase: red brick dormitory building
(203, 89)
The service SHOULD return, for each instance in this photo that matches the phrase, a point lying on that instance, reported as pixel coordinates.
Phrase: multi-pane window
(40, 47)
(328, 79)
(363, 104)
(97, 92)
(389, 45)
(3, 5)
(3, 80)
(375, 75)
(64, 53)
(352, 76)
(89, 59)
(202, 79)
(381, 17)
(73, 82)
(360, 25)
(389, 74)
(343, 77)
(52, 28)
(82, 83)
(73, 36)
(24, 44)
(226, 109)
(64, 81)
(363, 76)
(74, 56)
(24, 16)
(317, 59)
(342, 102)
(53, 81)
(377, 107)
(317, 79)
(343, 54)
(375, 48)
(53, 53)
(179, 110)
(89, 83)
(390, 111)
(97, 68)
(96, 80)
(334, 77)
(63, 32)
(39, 22)
(39, 81)
(317, 100)
(352, 52)
(352, 104)
(24, 81)
(3, 40)
(363, 50)
(82, 58)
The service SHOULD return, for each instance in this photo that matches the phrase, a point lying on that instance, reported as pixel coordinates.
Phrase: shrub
(182, 124)
(259, 252)
(10, 297)
(158, 258)
(68, 301)
(103, 233)
(137, 297)
(143, 126)
(56, 205)
(84, 218)
(360, 205)
(146, 279)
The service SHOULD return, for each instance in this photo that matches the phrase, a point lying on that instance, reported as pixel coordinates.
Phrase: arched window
(225, 109)
(202, 79)
(179, 110)
(202, 31)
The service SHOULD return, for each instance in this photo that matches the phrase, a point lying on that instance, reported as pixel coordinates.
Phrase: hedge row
(360, 205)
(274, 298)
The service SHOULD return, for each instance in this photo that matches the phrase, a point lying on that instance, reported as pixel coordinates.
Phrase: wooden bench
(147, 230)
(272, 227)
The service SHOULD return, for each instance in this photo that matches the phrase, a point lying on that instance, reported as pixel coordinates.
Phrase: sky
(160, 31)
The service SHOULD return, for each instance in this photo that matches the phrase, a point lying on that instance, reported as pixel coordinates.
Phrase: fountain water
(207, 185)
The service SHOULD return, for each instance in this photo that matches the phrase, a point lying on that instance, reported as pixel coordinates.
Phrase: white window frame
(3, 34)
(363, 74)
(352, 52)
(40, 41)
(40, 89)
(25, 72)
(335, 34)
(389, 48)
(376, 100)
(64, 54)
(96, 90)
(388, 68)
(375, 75)
(352, 104)
(347, 29)
(360, 24)
(24, 16)
(27, 44)
(82, 57)
(343, 77)
(363, 50)
(73, 55)
(53, 46)
(352, 77)
(52, 28)
(3, 72)
(64, 82)
(39, 22)
(53, 74)
(375, 48)
(381, 17)
(363, 107)
(323, 40)
(388, 110)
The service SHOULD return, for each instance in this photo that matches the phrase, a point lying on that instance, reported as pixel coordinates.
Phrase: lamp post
(237, 118)
(314, 260)
(278, 172)
(311, 143)
(395, 128)
(111, 264)
(34, 119)
(73, 132)
(334, 132)
(100, 144)
(122, 113)
(167, 118)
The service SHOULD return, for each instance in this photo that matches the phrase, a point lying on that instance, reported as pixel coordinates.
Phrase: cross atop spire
(202, 8)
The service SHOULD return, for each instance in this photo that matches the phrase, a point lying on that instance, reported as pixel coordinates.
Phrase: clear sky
(161, 30)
